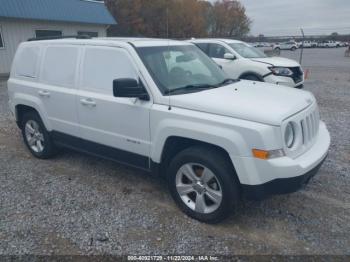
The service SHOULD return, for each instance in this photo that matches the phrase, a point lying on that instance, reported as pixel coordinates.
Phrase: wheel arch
(175, 144)
(26, 103)
(188, 133)
(247, 73)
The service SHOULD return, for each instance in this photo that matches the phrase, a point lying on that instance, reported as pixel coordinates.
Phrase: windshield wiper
(227, 81)
(190, 88)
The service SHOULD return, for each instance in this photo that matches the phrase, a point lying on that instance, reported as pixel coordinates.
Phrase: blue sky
(286, 17)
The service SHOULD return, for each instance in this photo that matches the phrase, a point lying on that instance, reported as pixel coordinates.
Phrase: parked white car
(291, 45)
(242, 61)
(338, 44)
(328, 44)
(163, 105)
(262, 45)
(308, 44)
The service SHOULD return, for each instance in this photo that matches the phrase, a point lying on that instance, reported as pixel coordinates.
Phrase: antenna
(302, 48)
(167, 36)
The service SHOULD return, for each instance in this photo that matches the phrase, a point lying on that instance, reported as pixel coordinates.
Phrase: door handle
(88, 102)
(44, 93)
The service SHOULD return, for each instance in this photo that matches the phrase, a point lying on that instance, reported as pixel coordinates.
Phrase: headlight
(281, 71)
(289, 135)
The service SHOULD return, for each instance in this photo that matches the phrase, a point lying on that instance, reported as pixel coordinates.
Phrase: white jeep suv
(164, 106)
(243, 61)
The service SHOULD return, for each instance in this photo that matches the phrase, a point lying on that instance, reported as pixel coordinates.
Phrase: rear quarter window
(27, 60)
(59, 66)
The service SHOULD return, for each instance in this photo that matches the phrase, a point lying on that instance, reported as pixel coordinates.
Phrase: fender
(34, 102)
(216, 135)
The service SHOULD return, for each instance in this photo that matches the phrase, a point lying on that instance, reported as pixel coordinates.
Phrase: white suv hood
(277, 61)
(253, 101)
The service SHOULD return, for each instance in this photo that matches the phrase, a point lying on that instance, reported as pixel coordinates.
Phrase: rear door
(115, 127)
(57, 87)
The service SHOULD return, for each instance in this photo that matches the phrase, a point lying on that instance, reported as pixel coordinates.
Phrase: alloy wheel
(34, 136)
(199, 188)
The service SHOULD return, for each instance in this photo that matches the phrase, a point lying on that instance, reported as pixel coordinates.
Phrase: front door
(115, 127)
(230, 67)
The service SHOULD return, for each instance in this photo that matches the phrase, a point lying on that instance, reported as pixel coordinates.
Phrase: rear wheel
(293, 48)
(203, 184)
(36, 137)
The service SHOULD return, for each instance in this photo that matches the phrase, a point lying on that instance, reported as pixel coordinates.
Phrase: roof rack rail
(59, 37)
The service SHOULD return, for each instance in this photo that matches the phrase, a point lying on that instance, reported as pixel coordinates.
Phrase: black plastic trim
(99, 150)
(279, 186)
(268, 74)
(251, 73)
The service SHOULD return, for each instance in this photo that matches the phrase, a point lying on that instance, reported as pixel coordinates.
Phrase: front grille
(306, 125)
(297, 74)
(309, 126)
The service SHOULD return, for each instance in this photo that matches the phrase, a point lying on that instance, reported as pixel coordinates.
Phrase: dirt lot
(77, 204)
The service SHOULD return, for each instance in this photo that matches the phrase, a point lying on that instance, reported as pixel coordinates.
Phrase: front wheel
(293, 48)
(203, 183)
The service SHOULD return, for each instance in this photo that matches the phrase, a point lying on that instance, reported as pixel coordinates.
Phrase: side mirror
(127, 87)
(229, 56)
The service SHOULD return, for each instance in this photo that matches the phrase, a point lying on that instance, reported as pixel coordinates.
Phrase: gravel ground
(77, 204)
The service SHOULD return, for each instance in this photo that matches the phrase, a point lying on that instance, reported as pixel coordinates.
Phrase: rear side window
(27, 61)
(102, 65)
(59, 66)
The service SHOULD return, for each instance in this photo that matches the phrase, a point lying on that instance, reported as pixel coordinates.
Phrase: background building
(23, 19)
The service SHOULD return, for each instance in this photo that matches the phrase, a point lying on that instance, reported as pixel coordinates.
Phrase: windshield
(181, 69)
(247, 51)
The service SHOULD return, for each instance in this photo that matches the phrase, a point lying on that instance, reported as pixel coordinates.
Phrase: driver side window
(217, 51)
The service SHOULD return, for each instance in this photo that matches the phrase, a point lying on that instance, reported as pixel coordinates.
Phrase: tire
(277, 51)
(293, 48)
(251, 77)
(223, 186)
(36, 137)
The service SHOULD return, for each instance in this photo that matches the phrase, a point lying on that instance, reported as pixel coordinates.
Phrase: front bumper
(281, 175)
(282, 80)
(279, 186)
